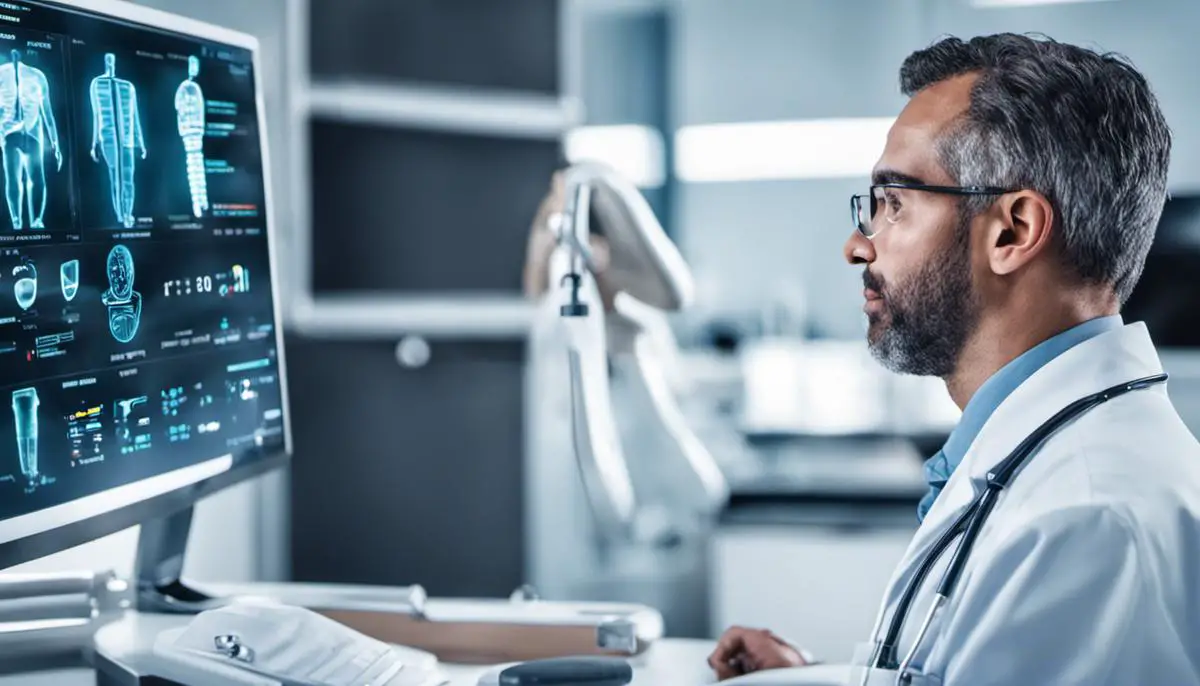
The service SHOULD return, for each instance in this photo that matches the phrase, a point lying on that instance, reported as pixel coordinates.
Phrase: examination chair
(621, 493)
(583, 357)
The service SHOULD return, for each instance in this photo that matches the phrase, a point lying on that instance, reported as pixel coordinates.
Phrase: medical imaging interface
(137, 329)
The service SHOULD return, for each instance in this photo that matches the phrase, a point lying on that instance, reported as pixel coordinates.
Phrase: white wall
(237, 535)
(756, 60)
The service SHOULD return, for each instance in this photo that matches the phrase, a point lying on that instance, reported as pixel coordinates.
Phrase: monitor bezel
(92, 527)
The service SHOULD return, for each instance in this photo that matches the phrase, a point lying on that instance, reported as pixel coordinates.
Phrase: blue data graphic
(189, 109)
(27, 125)
(85, 431)
(117, 135)
(133, 424)
(124, 304)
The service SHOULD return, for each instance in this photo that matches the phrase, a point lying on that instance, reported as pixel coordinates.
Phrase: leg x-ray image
(25, 412)
(116, 134)
(27, 124)
(68, 275)
(124, 304)
(25, 288)
(189, 108)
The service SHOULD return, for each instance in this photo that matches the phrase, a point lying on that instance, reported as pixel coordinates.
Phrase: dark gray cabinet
(504, 44)
(410, 211)
(408, 475)
(427, 134)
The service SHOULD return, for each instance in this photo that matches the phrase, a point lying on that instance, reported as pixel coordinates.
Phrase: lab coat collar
(1103, 361)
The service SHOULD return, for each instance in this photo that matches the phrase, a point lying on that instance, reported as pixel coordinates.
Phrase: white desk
(671, 662)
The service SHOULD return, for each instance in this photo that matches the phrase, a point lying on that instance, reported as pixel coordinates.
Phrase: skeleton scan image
(117, 134)
(124, 304)
(189, 106)
(27, 120)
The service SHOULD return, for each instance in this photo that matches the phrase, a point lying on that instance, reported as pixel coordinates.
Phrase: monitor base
(158, 568)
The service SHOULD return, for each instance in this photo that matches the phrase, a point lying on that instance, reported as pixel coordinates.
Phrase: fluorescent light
(636, 151)
(1027, 3)
(803, 149)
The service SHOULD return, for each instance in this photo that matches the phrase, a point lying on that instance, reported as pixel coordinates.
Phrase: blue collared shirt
(993, 392)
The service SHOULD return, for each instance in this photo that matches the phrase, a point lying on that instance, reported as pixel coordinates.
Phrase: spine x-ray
(117, 133)
(27, 123)
(189, 108)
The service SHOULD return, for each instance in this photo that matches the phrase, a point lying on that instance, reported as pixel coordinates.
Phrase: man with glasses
(1007, 221)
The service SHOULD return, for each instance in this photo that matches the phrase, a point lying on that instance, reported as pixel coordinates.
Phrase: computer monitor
(1165, 297)
(141, 361)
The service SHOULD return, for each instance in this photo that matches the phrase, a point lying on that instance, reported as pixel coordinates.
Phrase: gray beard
(929, 316)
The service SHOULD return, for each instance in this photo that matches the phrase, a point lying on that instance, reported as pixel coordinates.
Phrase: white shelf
(464, 110)
(454, 316)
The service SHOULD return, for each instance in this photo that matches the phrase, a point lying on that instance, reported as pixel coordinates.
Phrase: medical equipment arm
(650, 277)
(595, 439)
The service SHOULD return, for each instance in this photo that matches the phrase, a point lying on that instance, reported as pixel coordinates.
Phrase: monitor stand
(158, 568)
(161, 598)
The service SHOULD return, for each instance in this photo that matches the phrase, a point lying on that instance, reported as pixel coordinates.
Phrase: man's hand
(542, 242)
(742, 651)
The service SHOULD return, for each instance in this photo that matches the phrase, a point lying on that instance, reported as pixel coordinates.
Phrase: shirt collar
(994, 391)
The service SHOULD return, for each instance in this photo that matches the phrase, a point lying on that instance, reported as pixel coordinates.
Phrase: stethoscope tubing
(970, 523)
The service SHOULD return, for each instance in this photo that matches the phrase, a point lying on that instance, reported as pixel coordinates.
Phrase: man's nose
(858, 249)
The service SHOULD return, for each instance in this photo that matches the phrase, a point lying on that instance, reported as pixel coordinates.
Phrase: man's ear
(1020, 227)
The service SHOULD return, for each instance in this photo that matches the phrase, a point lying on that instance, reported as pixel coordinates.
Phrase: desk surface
(671, 662)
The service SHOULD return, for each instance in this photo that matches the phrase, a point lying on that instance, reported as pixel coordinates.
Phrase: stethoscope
(969, 524)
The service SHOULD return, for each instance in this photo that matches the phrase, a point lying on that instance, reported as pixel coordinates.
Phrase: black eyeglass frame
(865, 228)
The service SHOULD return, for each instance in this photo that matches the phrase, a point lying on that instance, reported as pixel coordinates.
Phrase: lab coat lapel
(1098, 363)
(1101, 362)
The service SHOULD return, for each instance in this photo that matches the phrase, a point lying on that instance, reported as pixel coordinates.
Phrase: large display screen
(137, 328)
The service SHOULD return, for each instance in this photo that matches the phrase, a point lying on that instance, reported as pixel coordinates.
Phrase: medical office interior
(772, 468)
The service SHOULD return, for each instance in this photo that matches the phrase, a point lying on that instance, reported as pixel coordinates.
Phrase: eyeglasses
(864, 223)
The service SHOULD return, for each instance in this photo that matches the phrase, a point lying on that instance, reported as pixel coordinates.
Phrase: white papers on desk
(286, 646)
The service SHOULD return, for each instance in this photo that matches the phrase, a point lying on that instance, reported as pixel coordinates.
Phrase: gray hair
(1080, 127)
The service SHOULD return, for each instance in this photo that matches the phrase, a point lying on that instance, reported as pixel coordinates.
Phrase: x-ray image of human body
(27, 123)
(117, 133)
(189, 108)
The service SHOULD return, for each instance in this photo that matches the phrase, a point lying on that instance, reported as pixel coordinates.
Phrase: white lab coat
(1088, 569)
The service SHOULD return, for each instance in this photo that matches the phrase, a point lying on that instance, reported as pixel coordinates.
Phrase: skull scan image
(124, 304)
(27, 125)
(25, 286)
